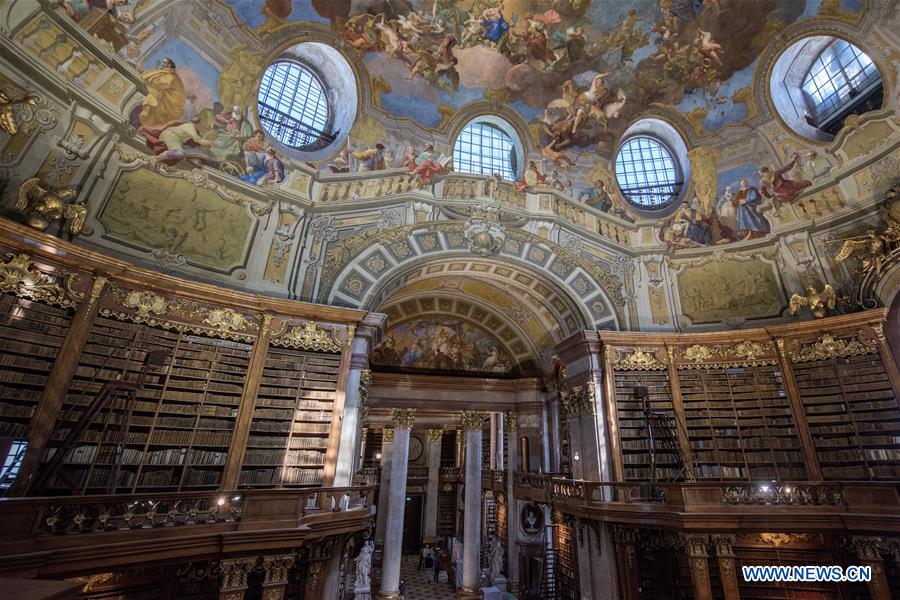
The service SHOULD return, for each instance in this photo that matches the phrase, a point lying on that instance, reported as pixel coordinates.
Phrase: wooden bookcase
(291, 420)
(181, 422)
(632, 422)
(566, 546)
(249, 382)
(853, 416)
(31, 334)
(739, 424)
(805, 401)
(448, 449)
(446, 525)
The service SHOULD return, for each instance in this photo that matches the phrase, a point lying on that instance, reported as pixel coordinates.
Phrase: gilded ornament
(472, 420)
(435, 435)
(365, 380)
(19, 276)
(42, 207)
(819, 303)
(309, 336)
(698, 353)
(388, 434)
(828, 346)
(7, 111)
(403, 418)
(226, 320)
(511, 421)
(872, 248)
(751, 350)
(146, 303)
(639, 359)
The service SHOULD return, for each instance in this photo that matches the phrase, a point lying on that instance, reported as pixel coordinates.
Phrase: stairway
(549, 587)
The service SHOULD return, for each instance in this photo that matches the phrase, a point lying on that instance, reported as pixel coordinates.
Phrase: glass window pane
(646, 172)
(293, 107)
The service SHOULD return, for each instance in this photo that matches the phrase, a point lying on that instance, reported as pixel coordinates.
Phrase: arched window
(839, 79)
(484, 148)
(647, 173)
(293, 106)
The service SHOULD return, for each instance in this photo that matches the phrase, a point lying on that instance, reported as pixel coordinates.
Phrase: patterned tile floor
(417, 587)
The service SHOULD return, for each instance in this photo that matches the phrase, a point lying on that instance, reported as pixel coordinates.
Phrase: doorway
(412, 524)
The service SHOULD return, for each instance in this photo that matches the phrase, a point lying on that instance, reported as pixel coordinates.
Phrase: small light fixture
(378, 456)
(576, 456)
(764, 488)
(220, 501)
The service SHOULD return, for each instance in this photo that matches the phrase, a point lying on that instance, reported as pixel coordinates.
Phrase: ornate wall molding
(828, 346)
(20, 277)
(639, 359)
(747, 353)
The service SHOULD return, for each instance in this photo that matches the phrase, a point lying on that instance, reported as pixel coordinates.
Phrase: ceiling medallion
(309, 336)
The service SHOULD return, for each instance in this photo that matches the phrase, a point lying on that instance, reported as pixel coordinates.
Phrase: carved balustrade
(450, 474)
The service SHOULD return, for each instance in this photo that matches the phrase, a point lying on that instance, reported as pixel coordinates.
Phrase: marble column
(695, 547)
(433, 488)
(384, 485)
(402, 420)
(727, 568)
(275, 575)
(511, 426)
(471, 572)
(358, 379)
(234, 577)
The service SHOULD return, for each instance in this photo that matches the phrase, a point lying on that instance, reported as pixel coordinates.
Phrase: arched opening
(488, 145)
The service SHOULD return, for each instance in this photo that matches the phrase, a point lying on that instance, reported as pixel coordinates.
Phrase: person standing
(429, 564)
(422, 553)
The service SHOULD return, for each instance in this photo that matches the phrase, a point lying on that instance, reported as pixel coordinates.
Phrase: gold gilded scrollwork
(745, 354)
(146, 303)
(698, 353)
(828, 346)
(639, 359)
(225, 320)
(511, 421)
(19, 276)
(308, 336)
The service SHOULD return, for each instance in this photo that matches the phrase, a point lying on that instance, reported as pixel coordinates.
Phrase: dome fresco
(636, 156)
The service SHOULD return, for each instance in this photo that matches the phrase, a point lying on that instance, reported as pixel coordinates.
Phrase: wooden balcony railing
(857, 505)
(417, 473)
(60, 534)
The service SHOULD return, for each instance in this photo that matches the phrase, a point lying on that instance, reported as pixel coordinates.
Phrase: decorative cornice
(403, 418)
(19, 276)
(639, 359)
(308, 336)
(828, 346)
(472, 420)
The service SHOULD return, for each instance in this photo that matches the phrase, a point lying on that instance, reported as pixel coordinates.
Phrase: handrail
(58, 515)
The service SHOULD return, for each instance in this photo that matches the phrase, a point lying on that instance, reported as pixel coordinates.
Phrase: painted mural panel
(442, 345)
(177, 216)
(730, 288)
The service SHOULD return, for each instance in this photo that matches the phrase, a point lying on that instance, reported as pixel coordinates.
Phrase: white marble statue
(496, 558)
(364, 565)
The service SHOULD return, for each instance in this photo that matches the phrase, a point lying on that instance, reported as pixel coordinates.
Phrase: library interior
(427, 299)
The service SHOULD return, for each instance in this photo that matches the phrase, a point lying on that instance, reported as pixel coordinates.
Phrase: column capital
(724, 545)
(867, 547)
(472, 420)
(435, 435)
(624, 534)
(511, 421)
(276, 568)
(695, 545)
(388, 434)
(234, 572)
(403, 418)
